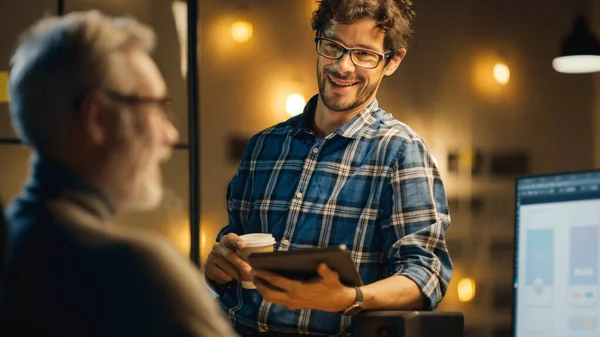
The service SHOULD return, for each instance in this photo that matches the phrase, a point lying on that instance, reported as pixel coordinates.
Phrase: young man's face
(343, 85)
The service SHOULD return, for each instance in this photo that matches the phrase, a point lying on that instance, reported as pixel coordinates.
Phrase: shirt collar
(352, 129)
(50, 180)
(307, 117)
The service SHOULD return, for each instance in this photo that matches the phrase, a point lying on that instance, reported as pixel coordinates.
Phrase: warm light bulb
(501, 73)
(294, 104)
(241, 31)
(577, 64)
(466, 289)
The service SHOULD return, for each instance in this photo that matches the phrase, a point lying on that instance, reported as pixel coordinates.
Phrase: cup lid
(258, 239)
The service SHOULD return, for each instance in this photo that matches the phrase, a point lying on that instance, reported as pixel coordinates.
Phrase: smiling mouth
(336, 82)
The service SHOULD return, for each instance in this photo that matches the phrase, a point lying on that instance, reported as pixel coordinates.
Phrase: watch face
(353, 309)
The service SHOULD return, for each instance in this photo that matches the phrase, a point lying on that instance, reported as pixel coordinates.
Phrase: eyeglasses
(363, 58)
(166, 104)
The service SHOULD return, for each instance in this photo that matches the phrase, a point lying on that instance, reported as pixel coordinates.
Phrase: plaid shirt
(372, 185)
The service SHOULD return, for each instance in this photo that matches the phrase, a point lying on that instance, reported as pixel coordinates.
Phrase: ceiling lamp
(580, 52)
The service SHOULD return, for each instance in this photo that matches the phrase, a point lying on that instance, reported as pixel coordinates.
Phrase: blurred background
(477, 83)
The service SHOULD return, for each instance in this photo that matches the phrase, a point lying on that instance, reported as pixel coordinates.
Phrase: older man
(90, 101)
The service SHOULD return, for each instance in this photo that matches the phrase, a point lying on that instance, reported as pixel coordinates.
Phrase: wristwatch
(355, 307)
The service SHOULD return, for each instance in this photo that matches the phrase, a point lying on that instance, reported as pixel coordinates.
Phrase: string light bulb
(501, 73)
(466, 289)
(294, 104)
(241, 31)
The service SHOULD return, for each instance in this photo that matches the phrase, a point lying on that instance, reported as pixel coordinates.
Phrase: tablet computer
(302, 264)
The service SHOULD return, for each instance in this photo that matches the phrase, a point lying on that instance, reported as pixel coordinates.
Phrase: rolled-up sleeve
(415, 221)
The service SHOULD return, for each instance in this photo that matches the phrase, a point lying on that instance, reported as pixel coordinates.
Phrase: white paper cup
(254, 243)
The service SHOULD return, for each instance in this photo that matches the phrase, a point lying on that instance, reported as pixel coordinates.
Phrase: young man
(343, 172)
(90, 101)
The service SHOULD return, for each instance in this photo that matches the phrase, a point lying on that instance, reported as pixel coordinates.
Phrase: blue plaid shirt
(373, 185)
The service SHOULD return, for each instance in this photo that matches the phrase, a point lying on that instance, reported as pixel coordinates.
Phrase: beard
(357, 95)
(133, 168)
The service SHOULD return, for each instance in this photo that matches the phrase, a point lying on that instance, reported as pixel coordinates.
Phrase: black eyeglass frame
(166, 103)
(350, 51)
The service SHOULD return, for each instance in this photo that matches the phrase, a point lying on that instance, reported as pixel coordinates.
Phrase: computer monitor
(557, 259)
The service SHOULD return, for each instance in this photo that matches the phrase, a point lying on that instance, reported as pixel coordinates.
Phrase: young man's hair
(394, 17)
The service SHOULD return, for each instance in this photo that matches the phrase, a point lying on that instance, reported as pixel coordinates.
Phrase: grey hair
(57, 62)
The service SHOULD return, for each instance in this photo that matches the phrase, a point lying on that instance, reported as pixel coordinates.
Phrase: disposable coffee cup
(254, 243)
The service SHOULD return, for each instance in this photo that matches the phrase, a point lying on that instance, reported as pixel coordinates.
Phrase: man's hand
(223, 263)
(325, 293)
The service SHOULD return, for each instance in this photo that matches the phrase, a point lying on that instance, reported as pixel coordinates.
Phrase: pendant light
(580, 51)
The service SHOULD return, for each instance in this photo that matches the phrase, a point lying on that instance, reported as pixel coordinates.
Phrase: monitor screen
(557, 257)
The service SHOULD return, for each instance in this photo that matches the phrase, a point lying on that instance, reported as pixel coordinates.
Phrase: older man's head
(85, 92)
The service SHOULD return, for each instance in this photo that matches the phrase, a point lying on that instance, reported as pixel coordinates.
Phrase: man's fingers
(238, 262)
(219, 275)
(278, 281)
(233, 258)
(269, 294)
(228, 268)
(232, 241)
(229, 245)
(326, 273)
(221, 250)
(214, 272)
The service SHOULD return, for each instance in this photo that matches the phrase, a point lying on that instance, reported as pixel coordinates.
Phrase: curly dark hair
(394, 17)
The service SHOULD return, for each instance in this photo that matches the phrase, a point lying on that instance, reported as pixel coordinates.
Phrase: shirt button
(299, 195)
(315, 150)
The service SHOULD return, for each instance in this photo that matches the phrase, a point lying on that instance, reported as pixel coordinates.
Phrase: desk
(394, 323)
